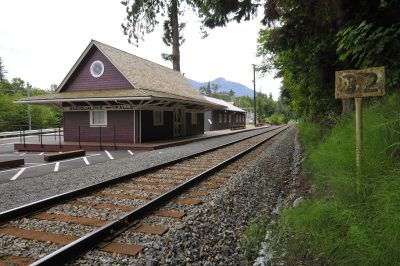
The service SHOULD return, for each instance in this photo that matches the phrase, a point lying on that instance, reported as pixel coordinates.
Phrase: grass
(351, 219)
(354, 219)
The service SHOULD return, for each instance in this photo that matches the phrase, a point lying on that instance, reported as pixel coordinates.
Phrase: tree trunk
(176, 57)
(347, 104)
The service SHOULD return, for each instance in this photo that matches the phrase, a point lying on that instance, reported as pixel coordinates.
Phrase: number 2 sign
(360, 83)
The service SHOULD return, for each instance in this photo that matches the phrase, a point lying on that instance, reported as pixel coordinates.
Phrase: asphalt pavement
(36, 166)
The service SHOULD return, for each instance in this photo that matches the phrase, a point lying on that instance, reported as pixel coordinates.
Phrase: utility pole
(28, 88)
(254, 103)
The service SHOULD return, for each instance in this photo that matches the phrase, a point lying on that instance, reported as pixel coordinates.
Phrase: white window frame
(194, 118)
(92, 124)
(225, 118)
(230, 118)
(161, 121)
(219, 118)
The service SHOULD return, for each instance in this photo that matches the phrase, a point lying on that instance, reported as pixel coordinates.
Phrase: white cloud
(41, 40)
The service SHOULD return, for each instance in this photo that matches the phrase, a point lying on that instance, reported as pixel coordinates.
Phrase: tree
(3, 71)
(310, 40)
(142, 17)
(53, 87)
(206, 90)
(216, 13)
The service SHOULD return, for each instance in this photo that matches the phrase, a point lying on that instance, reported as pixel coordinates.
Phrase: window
(158, 118)
(220, 118)
(237, 118)
(194, 118)
(230, 118)
(225, 118)
(98, 118)
(97, 69)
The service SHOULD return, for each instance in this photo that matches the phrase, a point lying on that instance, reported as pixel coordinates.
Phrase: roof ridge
(95, 41)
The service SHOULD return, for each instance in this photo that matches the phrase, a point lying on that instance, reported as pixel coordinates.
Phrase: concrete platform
(57, 145)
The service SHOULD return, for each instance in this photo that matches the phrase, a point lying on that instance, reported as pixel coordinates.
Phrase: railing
(55, 136)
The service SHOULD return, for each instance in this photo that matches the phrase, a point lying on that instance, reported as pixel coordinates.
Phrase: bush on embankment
(350, 219)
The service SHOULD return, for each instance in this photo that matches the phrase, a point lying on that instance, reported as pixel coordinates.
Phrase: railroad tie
(120, 248)
(14, 260)
(70, 219)
(122, 196)
(38, 235)
(192, 202)
(196, 193)
(170, 213)
(101, 206)
(149, 229)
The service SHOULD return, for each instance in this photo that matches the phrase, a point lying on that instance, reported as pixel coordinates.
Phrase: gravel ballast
(24, 191)
(212, 233)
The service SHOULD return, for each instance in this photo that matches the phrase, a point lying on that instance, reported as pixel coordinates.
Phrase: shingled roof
(147, 78)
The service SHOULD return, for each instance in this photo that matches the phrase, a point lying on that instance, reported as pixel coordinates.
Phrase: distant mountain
(225, 86)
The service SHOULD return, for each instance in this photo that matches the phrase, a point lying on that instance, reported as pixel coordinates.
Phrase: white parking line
(130, 152)
(56, 166)
(109, 155)
(18, 174)
(86, 161)
(43, 164)
(22, 154)
(41, 153)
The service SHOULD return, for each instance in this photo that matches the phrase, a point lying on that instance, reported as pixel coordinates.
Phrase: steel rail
(108, 231)
(46, 203)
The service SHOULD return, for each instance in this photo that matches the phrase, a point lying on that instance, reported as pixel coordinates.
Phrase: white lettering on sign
(99, 107)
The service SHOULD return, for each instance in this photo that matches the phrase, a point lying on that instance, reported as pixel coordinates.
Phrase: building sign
(100, 107)
(360, 83)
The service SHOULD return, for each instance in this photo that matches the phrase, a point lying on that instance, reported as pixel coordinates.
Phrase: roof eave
(89, 99)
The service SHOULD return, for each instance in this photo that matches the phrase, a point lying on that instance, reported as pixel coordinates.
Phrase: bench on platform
(63, 155)
(11, 163)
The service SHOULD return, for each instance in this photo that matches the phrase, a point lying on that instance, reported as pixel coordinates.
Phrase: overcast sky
(41, 40)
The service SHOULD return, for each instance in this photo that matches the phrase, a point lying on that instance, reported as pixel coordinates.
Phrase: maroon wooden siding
(122, 120)
(216, 125)
(151, 132)
(196, 128)
(82, 80)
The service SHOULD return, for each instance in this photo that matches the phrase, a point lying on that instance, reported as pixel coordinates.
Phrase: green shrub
(277, 119)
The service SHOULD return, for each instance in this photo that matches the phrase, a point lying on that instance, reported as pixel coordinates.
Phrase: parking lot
(36, 166)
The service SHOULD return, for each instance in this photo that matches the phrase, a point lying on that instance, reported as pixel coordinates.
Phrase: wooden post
(359, 133)
(357, 84)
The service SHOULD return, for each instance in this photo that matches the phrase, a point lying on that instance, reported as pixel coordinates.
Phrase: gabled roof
(228, 106)
(145, 76)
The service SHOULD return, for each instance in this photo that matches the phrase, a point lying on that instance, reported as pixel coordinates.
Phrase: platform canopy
(128, 80)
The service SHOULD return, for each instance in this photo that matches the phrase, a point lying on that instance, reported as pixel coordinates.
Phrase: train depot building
(231, 117)
(111, 95)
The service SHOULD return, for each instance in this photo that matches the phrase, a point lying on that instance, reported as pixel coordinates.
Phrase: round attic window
(97, 69)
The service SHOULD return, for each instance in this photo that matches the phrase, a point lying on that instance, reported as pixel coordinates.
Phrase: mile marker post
(358, 84)
(359, 133)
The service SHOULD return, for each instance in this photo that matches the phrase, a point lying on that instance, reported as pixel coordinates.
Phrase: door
(178, 122)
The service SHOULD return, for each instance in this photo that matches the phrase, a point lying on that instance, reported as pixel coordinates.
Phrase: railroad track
(63, 227)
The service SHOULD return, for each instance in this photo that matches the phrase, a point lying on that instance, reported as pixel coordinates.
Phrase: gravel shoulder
(25, 191)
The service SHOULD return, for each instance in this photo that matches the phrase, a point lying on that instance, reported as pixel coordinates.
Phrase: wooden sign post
(358, 84)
